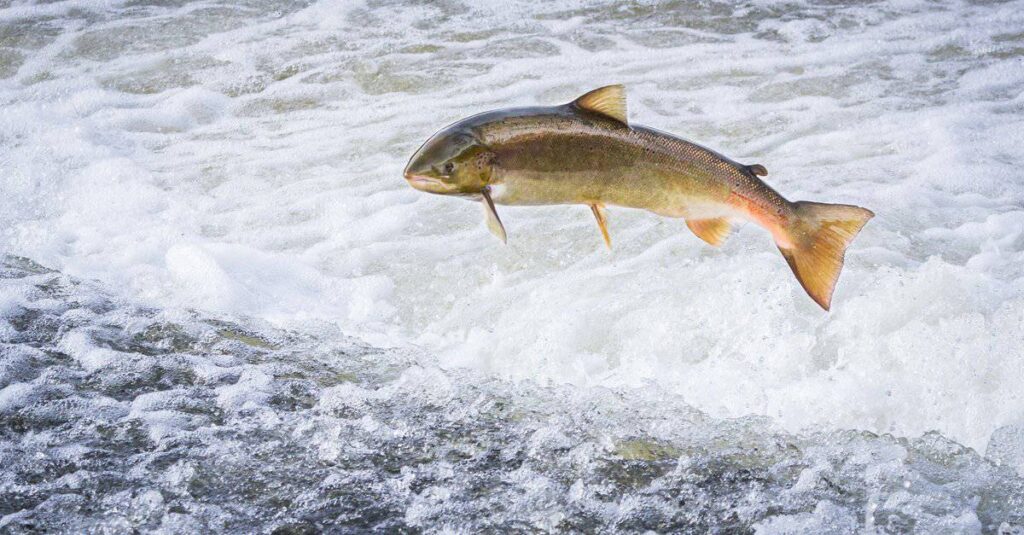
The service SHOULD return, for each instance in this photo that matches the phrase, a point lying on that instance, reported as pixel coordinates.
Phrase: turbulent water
(221, 307)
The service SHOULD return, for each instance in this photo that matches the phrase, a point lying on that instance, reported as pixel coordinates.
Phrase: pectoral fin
(713, 231)
(491, 216)
(602, 221)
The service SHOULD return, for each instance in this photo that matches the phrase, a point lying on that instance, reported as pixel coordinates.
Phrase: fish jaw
(429, 184)
(422, 182)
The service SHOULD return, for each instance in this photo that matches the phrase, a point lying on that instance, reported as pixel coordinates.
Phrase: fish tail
(815, 242)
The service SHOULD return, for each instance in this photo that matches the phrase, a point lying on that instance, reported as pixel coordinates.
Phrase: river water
(222, 308)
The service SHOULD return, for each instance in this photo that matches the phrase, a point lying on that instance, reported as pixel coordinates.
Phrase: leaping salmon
(586, 152)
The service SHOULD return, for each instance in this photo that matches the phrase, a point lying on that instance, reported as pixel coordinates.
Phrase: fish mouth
(425, 183)
(421, 180)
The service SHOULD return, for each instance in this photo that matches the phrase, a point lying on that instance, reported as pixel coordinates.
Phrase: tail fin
(818, 239)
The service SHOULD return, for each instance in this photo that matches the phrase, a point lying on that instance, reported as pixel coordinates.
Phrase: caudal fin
(817, 240)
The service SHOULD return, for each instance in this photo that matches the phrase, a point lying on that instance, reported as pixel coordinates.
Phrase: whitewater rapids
(222, 307)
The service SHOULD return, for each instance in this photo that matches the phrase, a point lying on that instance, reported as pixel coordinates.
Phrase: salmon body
(586, 152)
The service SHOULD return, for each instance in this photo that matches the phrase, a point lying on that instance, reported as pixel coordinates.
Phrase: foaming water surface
(242, 162)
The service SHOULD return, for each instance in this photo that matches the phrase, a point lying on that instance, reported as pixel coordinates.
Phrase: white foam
(249, 162)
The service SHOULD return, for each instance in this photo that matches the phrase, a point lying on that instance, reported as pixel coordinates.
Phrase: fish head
(452, 162)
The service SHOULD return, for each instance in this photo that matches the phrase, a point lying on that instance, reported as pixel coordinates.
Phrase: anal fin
(602, 221)
(714, 231)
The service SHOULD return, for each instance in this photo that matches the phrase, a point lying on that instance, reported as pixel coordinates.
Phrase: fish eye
(449, 168)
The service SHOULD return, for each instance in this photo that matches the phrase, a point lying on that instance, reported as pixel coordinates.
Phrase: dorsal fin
(609, 100)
